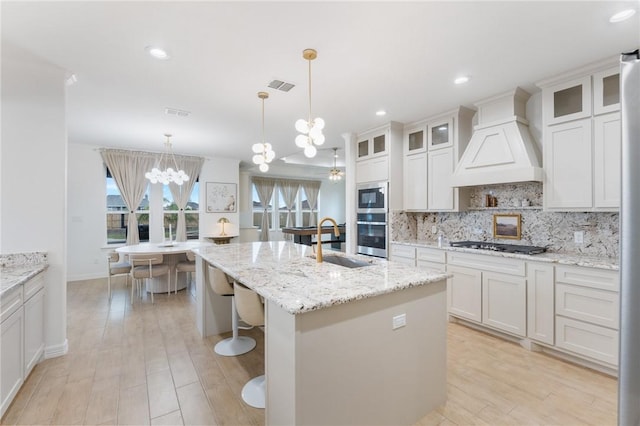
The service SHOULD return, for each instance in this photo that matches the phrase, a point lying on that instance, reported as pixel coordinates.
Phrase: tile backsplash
(554, 230)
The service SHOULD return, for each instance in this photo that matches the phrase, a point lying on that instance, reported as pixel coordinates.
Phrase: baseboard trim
(56, 350)
(84, 277)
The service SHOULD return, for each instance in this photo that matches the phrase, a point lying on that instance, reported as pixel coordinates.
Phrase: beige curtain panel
(181, 193)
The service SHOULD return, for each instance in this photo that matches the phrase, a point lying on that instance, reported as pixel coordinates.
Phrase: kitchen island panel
(351, 367)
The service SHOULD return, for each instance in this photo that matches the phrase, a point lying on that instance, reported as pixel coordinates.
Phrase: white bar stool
(235, 345)
(251, 310)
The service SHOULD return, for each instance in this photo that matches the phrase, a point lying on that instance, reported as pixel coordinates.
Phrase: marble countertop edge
(14, 276)
(559, 258)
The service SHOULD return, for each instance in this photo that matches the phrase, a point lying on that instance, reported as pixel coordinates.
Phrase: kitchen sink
(347, 262)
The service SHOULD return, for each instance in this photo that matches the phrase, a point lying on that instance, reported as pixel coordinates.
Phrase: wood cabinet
(12, 347)
(607, 144)
(540, 302)
(568, 158)
(587, 312)
(582, 144)
(464, 293)
(22, 341)
(432, 148)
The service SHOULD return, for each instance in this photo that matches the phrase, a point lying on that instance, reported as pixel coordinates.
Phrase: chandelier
(335, 174)
(264, 153)
(168, 175)
(311, 129)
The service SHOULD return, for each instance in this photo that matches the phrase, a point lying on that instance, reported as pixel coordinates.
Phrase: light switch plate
(578, 237)
(434, 229)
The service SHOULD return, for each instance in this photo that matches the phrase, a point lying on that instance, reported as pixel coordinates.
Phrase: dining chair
(251, 310)
(115, 267)
(188, 266)
(235, 345)
(145, 266)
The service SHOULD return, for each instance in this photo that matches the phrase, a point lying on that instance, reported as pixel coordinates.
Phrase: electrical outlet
(399, 321)
(578, 237)
(434, 229)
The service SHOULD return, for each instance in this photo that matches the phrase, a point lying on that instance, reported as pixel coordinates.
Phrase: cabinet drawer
(10, 302)
(587, 304)
(435, 266)
(596, 342)
(398, 250)
(403, 260)
(499, 264)
(431, 254)
(588, 277)
(32, 286)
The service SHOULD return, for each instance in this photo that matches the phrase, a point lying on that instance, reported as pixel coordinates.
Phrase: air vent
(281, 85)
(178, 112)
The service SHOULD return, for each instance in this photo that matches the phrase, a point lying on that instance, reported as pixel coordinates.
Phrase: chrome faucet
(335, 230)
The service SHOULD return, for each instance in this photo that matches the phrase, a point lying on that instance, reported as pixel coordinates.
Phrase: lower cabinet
(598, 343)
(33, 331)
(504, 302)
(464, 293)
(540, 302)
(22, 336)
(11, 357)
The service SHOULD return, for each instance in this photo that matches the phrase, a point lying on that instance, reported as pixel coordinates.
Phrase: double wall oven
(372, 218)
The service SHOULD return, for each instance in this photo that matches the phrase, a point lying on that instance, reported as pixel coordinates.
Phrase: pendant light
(168, 175)
(263, 151)
(311, 129)
(335, 174)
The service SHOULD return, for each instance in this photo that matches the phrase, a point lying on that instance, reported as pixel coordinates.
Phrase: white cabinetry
(403, 254)
(582, 143)
(540, 302)
(33, 322)
(11, 347)
(22, 341)
(607, 143)
(487, 289)
(568, 165)
(431, 258)
(372, 170)
(432, 148)
(464, 292)
(587, 312)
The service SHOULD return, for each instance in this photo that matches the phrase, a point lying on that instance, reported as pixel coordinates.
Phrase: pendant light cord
(309, 60)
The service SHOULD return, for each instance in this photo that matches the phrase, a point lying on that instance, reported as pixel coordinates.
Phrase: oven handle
(370, 223)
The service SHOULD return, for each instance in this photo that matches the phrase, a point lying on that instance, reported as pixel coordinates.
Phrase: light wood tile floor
(146, 364)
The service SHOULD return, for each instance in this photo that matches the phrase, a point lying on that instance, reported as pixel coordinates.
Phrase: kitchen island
(362, 345)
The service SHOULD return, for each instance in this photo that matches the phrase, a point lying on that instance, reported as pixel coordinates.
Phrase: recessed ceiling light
(461, 80)
(157, 52)
(381, 113)
(622, 16)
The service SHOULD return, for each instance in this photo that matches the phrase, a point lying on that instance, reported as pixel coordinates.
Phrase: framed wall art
(506, 226)
(221, 197)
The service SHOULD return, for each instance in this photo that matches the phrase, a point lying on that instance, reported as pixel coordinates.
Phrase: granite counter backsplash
(553, 230)
(22, 259)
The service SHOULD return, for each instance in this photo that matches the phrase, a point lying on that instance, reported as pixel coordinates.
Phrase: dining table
(173, 252)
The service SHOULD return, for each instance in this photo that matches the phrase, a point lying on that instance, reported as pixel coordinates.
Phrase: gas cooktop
(506, 248)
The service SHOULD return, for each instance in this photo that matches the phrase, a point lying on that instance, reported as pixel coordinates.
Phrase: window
(118, 214)
(191, 212)
(278, 218)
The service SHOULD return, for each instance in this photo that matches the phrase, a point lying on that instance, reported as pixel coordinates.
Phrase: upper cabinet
(566, 101)
(372, 145)
(606, 91)
(432, 148)
(582, 140)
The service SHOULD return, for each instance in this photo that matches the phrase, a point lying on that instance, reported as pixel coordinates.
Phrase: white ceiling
(400, 57)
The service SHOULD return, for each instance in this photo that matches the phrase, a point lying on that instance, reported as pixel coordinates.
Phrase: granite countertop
(563, 259)
(286, 274)
(13, 276)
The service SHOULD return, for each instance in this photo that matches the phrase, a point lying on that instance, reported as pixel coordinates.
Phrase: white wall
(87, 225)
(34, 158)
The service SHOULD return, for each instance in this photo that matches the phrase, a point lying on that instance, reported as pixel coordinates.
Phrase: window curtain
(127, 169)
(289, 191)
(181, 193)
(312, 189)
(264, 188)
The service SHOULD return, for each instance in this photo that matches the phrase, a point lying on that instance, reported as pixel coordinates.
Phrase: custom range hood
(501, 149)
